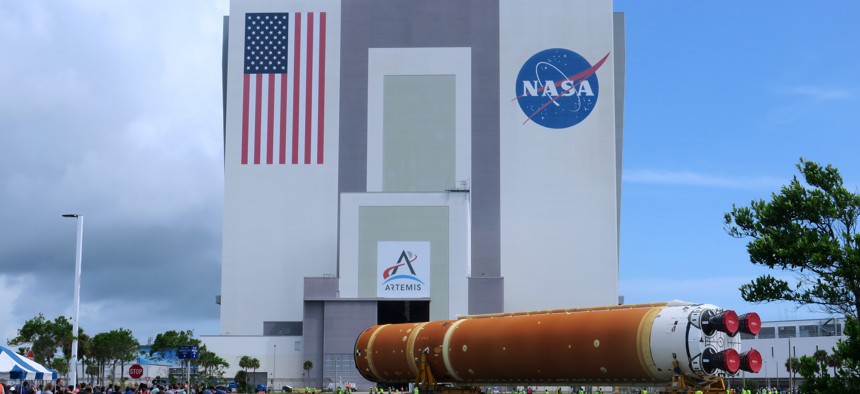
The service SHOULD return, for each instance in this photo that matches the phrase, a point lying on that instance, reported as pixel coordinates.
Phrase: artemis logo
(403, 269)
(406, 258)
(557, 88)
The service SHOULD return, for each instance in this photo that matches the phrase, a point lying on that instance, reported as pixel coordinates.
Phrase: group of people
(83, 388)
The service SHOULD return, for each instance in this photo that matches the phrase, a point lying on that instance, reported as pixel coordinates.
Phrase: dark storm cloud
(111, 110)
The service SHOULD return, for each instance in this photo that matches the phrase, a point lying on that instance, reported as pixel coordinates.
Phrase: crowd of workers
(83, 388)
(48, 387)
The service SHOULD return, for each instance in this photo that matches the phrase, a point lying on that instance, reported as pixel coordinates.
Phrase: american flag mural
(283, 92)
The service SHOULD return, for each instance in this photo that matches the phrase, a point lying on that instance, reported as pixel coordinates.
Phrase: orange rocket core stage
(609, 344)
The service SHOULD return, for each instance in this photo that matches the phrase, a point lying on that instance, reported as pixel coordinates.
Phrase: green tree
(61, 365)
(46, 337)
(114, 347)
(254, 364)
(210, 365)
(848, 350)
(171, 340)
(245, 363)
(809, 229)
(84, 350)
(791, 365)
(93, 371)
(248, 362)
(834, 361)
(241, 379)
(308, 366)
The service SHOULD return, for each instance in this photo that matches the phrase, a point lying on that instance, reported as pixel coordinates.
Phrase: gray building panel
(486, 295)
(344, 320)
(486, 164)
(391, 24)
(620, 62)
(312, 332)
(321, 288)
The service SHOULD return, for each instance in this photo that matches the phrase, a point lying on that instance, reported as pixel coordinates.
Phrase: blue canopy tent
(16, 366)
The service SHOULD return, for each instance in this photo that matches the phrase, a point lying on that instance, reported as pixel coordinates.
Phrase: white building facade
(779, 340)
(390, 161)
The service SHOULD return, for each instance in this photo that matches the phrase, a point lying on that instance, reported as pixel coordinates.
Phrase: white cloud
(818, 93)
(690, 178)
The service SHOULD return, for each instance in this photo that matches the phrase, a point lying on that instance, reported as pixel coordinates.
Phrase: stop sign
(31, 355)
(135, 371)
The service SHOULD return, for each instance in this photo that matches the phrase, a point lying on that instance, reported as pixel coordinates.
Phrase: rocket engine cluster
(629, 344)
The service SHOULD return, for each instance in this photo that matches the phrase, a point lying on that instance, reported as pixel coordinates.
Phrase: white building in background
(390, 161)
(781, 339)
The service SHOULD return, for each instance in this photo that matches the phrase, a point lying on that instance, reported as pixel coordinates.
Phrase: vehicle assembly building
(391, 161)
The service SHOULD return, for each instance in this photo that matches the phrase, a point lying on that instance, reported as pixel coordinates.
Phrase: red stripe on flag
(321, 97)
(270, 124)
(282, 153)
(296, 65)
(246, 87)
(258, 115)
(309, 78)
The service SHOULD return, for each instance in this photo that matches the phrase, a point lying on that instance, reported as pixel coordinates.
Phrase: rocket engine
(629, 344)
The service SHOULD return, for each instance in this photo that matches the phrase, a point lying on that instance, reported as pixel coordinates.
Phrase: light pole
(76, 308)
(274, 365)
(766, 374)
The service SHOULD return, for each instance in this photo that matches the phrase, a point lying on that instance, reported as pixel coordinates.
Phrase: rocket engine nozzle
(751, 361)
(750, 323)
(727, 360)
(726, 321)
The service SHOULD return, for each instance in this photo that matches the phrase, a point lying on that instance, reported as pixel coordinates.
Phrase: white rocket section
(559, 227)
(280, 221)
(677, 334)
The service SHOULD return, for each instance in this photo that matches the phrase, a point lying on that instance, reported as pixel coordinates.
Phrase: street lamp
(76, 309)
(274, 364)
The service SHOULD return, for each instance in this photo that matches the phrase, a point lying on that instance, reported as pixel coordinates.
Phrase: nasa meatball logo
(557, 88)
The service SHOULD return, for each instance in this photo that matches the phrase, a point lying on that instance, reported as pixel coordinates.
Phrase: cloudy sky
(112, 109)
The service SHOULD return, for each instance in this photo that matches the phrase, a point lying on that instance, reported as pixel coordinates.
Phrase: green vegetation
(105, 351)
(809, 229)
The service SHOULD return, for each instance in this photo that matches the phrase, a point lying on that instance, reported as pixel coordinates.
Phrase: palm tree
(791, 364)
(308, 365)
(85, 343)
(834, 361)
(820, 356)
(254, 364)
(245, 363)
